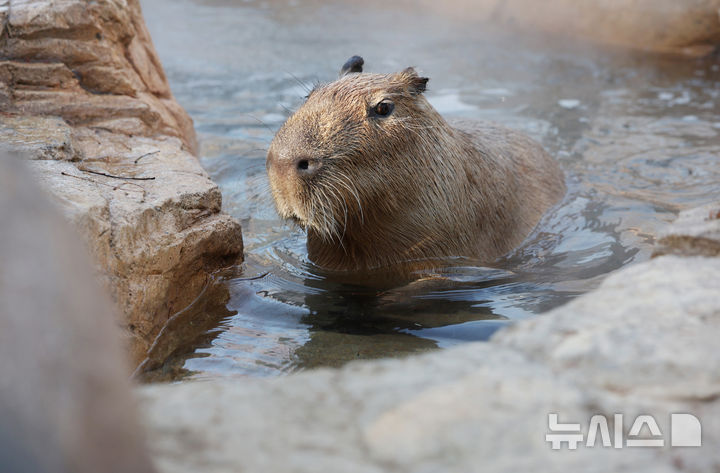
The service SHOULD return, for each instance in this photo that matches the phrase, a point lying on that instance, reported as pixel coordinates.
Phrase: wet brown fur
(409, 187)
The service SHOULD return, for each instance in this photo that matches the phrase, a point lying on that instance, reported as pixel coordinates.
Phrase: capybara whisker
(302, 84)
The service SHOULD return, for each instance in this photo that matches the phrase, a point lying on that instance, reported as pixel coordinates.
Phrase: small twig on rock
(127, 178)
(118, 187)
(146, 155)
(85, 179)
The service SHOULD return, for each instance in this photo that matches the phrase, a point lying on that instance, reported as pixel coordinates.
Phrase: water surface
(638, 136)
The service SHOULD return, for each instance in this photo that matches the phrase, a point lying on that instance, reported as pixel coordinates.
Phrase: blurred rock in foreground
(65, 398)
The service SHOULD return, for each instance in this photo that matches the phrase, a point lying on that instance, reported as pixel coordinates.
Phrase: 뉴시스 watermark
(685, 431)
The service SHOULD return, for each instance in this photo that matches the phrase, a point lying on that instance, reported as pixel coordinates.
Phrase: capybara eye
(383, 109)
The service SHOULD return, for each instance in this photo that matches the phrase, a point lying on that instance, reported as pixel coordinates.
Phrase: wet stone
(696, 232)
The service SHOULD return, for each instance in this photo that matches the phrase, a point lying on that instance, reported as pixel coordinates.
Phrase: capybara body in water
(379, 179)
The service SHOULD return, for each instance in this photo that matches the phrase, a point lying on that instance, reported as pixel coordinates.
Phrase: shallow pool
(638, 136)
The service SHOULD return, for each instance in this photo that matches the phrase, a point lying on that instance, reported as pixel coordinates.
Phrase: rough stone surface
(695, 232)
(668, 307)
(85, 99)
(91, 63)
(688, 26)
(65, 397)
(643, 343)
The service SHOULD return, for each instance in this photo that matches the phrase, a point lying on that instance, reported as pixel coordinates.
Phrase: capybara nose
(307, 167)
(303, 166)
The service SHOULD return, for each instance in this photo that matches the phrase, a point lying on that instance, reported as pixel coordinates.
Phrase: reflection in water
(193, 326)
(638, 137)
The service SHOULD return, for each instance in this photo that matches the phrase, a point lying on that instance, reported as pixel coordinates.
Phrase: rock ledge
(83, 96)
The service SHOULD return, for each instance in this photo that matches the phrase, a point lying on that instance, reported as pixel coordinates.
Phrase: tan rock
(85, 98)
(39, 137)
(696, 232)
(688, 26)
(87, 63)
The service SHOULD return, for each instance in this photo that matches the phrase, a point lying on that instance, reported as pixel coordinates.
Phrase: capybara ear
(352, 65)
(416, 84)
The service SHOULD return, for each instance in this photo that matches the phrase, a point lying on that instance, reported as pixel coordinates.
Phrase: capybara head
(344, 157)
